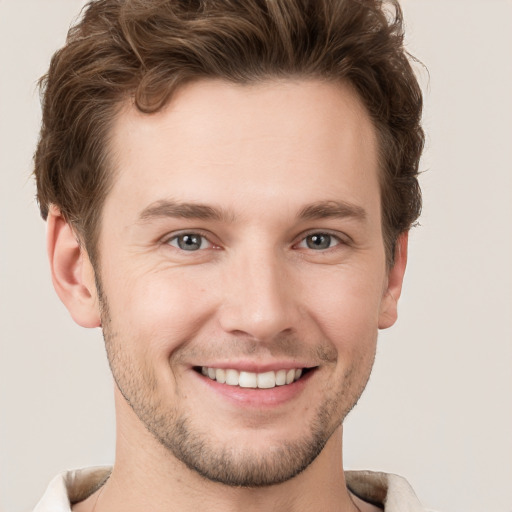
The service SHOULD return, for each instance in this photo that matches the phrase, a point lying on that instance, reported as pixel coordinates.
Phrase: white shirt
(392, 492)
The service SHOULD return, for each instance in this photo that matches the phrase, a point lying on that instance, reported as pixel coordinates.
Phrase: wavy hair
(143, 50)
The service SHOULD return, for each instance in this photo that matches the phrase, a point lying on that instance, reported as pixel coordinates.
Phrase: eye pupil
(189, 242)
(318, 241)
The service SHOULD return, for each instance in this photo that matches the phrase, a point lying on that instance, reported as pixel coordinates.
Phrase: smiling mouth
(264, 380)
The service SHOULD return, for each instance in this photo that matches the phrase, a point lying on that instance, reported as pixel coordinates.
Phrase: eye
(319, 241)
(189, 242)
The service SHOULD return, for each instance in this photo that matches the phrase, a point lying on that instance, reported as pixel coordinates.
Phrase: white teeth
(280, 377)
(248, 380)
(232, 377)
(265, 380)
(220, 375)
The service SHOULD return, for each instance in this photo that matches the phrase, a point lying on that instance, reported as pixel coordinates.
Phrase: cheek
(162, 307)
(346, 303)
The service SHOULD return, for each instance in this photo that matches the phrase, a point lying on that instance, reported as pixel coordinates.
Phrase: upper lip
(256, 367)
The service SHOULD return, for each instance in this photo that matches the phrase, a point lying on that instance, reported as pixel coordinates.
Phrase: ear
(389, 304)
(72, 272)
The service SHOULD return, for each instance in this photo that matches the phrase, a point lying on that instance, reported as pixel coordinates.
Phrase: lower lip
(255, 397)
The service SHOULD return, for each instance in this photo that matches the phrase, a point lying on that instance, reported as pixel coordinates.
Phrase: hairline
(110, 166)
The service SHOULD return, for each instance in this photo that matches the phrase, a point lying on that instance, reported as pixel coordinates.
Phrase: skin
(257, 292)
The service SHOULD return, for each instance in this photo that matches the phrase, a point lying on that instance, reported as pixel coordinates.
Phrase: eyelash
(204, 238)
(330, 236)
(191, 234)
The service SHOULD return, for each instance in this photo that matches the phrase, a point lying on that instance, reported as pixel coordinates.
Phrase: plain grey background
(438, 408)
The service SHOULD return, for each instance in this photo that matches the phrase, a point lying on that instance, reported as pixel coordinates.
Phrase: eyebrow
(168, 208)
(315, 211)
(332, 209)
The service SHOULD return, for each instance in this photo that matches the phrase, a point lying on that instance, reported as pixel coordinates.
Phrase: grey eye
(320, 241)
(189, 242)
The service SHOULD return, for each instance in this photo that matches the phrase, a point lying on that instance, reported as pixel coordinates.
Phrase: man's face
(242, 239)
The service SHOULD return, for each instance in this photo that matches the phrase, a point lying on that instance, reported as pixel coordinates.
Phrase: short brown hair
(142, 50)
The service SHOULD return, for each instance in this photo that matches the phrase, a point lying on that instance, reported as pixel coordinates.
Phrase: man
(228, 188)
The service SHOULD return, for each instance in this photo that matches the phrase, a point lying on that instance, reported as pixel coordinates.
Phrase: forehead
(242, 146)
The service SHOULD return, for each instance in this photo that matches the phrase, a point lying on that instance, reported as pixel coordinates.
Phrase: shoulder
(391, 492)
(71, 487)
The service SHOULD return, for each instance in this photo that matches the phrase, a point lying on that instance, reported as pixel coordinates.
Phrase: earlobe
(389, 304)
(72, 272)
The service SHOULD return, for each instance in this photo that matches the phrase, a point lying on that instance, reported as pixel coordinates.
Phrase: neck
(146, 476)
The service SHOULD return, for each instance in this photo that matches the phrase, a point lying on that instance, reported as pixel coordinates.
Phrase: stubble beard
(226, 464)
(230, 465)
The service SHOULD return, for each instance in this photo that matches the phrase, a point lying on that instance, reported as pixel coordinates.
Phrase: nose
(259, 298)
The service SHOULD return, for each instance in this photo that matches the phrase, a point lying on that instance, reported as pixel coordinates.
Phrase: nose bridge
(258, 295)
